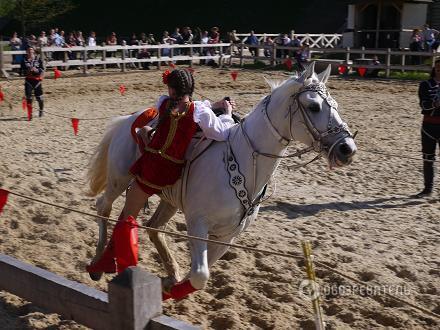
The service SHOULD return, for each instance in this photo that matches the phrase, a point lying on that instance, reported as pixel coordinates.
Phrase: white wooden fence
(223, 53)
(134, 299)
(318, 40)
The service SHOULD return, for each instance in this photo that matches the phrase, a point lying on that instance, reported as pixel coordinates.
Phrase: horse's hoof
(95, 276)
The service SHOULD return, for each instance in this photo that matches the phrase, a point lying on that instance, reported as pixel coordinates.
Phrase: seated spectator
(252, 40)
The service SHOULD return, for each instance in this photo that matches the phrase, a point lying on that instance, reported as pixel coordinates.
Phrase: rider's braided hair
(183, 83)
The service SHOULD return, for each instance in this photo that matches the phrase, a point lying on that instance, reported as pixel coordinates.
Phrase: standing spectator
(416, 45)
(234, 40)
(429, 96)
(144, 53)
(252, 40)
(429, 35)
(32, 41)
(79, 39)
(134, 41)
(112, 40)
(32, 68)
(268, 46)
(71, 42)
(42, 40)
(15, 43)
(296, 42)
(167, 40)
(303, 56)
(91, 42)
(176, 34)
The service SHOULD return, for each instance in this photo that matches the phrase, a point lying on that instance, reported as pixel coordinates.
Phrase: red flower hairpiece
(165, 76)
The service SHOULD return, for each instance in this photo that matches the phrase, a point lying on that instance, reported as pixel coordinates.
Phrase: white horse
(220, 190)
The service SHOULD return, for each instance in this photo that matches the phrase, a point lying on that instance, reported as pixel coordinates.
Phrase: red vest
(174, 133)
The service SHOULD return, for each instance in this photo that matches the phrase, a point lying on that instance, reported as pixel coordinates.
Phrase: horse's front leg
(199, 274)
(159, 220)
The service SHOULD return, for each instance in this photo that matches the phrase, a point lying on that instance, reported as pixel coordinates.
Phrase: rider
(161, 163)
(32, 68)
(429, 94)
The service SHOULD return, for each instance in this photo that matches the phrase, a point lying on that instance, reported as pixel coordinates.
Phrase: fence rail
(134, 299)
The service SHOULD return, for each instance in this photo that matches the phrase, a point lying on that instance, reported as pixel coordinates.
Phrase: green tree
(31, 13)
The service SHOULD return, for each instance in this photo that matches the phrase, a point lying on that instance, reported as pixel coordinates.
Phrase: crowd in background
(426, 39)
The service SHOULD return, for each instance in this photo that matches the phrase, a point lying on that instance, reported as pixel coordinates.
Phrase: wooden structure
(134, 299)
(384, 23)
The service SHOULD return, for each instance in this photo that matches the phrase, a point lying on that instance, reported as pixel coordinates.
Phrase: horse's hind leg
(159, 220)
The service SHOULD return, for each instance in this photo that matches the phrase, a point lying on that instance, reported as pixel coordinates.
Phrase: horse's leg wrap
(179, 291)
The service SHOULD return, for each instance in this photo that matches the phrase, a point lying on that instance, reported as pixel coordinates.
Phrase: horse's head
(313, 116)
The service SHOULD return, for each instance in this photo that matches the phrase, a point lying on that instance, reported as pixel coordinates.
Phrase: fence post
(85, 60)
(273, 58)
(135, 297)
(230, 53)
(104, 55)
(292, 34)
(241, 53)
(191, 53)
(403, 62)
(2, 68)
(65, 60)
(220, 60)
(388, 70)
(123, 58)
(347, 55)
(363, 54)
(159, 55)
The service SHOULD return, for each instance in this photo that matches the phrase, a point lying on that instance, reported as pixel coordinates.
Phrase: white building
(388, 23)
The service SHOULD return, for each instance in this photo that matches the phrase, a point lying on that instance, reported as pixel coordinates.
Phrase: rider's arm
(216, 128)
(428, 96)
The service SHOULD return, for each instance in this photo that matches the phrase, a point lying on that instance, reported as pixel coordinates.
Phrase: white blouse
(213, 127)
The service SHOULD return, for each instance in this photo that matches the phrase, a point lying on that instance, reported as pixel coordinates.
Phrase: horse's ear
(307, 73)
(324, 75)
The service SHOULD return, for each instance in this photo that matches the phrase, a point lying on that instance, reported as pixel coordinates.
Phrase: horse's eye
(314, 107)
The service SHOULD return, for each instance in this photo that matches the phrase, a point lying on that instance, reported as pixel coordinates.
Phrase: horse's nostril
(345, 149)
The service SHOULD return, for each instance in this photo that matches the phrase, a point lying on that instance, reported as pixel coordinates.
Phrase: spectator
(144, 53)
(186, 36)
(91, 42)
(296, 42)
(15, 43)
(303, 56)
(268, 47)
(32, 68)
(416, 45)
(176, 34)
(252, 40)
(167, 40)
(112, 40)
(79, 39)
(429, 35)
(71, 42)
(42, 39)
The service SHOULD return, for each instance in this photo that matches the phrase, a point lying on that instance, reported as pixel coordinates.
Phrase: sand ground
(360, 218)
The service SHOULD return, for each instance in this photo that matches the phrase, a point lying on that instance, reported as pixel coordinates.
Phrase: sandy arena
(360, 218)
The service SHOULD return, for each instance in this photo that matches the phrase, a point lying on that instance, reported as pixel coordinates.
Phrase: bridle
(318, 137)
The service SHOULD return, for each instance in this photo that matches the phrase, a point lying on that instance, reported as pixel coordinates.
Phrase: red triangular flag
(234, 75)
(29, 111)
(75, 122)
(57, 73)
(3, 198)
(288, 63)
(362, 71)
(172, 65)
(342, 69)
(122, 89)
(24, 104)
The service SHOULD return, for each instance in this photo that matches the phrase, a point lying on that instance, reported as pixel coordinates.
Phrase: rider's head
(180, 83)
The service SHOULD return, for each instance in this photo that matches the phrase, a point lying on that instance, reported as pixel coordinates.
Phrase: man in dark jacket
(33, 70)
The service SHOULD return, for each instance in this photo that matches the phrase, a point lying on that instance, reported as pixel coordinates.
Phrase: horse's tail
(97, 166)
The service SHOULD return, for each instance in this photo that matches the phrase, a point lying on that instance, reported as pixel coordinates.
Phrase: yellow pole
(314, 288)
